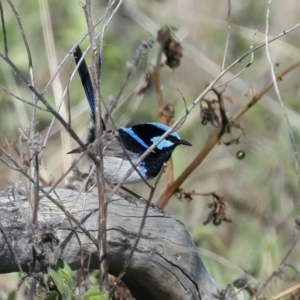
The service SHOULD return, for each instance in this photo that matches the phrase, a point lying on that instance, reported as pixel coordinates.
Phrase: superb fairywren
(135, 140)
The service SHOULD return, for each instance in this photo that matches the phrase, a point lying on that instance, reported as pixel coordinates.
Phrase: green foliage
(10, 296)
(53, 295)
(60, 279)
(95, 294)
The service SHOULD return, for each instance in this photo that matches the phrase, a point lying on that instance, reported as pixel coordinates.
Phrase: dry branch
(165, 265)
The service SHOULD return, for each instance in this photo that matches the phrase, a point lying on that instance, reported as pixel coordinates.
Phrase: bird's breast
(115, 169)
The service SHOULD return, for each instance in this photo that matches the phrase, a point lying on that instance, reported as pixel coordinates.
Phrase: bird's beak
(183, 142)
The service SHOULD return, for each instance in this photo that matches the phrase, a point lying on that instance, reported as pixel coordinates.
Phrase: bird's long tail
(86, 81)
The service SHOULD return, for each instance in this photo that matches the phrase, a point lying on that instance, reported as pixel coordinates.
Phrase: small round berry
(240, 154)
(217, 221)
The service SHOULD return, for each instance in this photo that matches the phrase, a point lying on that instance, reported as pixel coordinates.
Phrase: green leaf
(58, 281)
(11, 296)
(66, 278)
(95, 294)
(65, 267)
(52, 296)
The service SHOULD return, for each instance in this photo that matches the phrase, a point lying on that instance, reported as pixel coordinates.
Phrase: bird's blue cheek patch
(163, 144)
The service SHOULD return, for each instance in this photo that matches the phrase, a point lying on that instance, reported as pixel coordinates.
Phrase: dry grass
(261, 191)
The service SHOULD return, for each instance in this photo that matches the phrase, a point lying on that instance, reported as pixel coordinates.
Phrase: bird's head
(140, 137)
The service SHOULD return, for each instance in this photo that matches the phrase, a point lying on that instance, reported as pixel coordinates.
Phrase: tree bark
(165, 264)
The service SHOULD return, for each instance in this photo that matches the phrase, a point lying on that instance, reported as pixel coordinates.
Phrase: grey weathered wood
(165, 265)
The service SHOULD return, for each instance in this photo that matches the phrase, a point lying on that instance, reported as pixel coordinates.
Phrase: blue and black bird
(135, 140)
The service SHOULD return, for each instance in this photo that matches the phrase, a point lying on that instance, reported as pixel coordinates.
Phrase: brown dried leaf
(146, 84)
(171, 47)
(251, 93)
(228, 98)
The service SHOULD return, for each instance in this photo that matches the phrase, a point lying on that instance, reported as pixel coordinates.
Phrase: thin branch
(36, 189)
(92, 169)
(131, 68)
(45, 194)
(228, 34)
(286, 256)
(32, 167)
(74, 163)
(292, 292)
(58, 68)
(138, 237)
(42, 98)
(3, 30)
(215, 137)
(226, 263)
(103, 267)
(246, 67)
(11, 249)
(22, 100)
(277, 92)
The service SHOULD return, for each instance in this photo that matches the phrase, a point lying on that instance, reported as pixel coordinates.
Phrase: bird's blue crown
(144, 135)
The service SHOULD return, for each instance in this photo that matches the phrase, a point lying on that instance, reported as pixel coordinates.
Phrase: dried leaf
(251, 93)
(171, 47)
(146, 84)
(228, 98)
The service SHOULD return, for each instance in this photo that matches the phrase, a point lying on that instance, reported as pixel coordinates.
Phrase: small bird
(135, 140)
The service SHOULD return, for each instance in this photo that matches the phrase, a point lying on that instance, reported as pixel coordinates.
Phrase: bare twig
(131, 68)
(22, 100)
(215, 137)
(58, 68)
(283, 261)
(11, 249)
(32, 166)
(246, 67)
(228, 34)
(277, 92)
(57, 84)
(138, 237)
(36, 189)
(3, 30)
(293, 292)
(99, 130)
(18, 168)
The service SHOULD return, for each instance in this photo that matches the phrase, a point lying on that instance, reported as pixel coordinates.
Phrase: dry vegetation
(261, 191)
